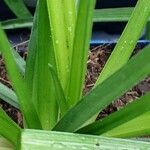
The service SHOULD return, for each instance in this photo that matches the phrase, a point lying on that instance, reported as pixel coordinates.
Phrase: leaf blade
(90, 105)
(37, 72)
(119, 118)
(8, 96)
(80, 51)
(60, 96)
(18, 83)
(51, 140)
(127, 41)
(15, 4)
(9, 128)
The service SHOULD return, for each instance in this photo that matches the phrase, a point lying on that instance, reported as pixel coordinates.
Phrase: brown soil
(97, 59)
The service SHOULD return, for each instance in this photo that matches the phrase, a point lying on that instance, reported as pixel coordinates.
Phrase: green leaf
(18, 7)
(17, 23)
(8, 129)
(18, 83)
(8, 96)
(127, 41)
(20, 62)
(80, 50)
(113, 14)
(148, 31)
(60, 96)
(34, 139)
(139, 126)
(41, 52)
(59, 39)
(103, 95)
(5, 145)
(70, 12)
(100, 15)
(122, 118)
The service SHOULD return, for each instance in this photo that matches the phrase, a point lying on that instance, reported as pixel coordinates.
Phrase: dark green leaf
(119, 118)
(18, 7)
(8, 129)
(105, 93)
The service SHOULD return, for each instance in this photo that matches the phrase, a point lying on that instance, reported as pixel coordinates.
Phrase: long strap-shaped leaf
(17, 23)
(18, 83)
(8, 96)
(121, 118)
(9, 129)
(103, 95)
(100, 15)
(41, 52)
(70, 12)
(127, 41)
(139, 126)
(113, 14)
(56, 21)
(34, 139)
(60, 96)
(20, 62)
(80, 50)
(19, 8)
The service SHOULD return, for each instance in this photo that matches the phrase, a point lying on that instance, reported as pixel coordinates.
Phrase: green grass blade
(70, 22)
(8, 96)
(32, 139)
(80, 50)
(139, 126)
(18, 7)
(8, 129)
(19, 61)
(103, 95)
(17, 23)
(59, 39)
(100, 15)
(113, 14)
(127, 41)
(21, 64)
(32, 54)
(60, 96)
(41, 52)
(18, 83)
(119, 118)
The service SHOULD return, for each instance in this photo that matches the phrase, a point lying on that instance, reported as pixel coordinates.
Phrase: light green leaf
(60, 96)
(127, 41)
(47, 140)
(21, 64)
(113, 14)
(70, 12)
(80, 50)
(121, 118)
(103, 95)
(17, 23)
(139, 126)
(8, 96)
(59, 39)
(8, 129)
